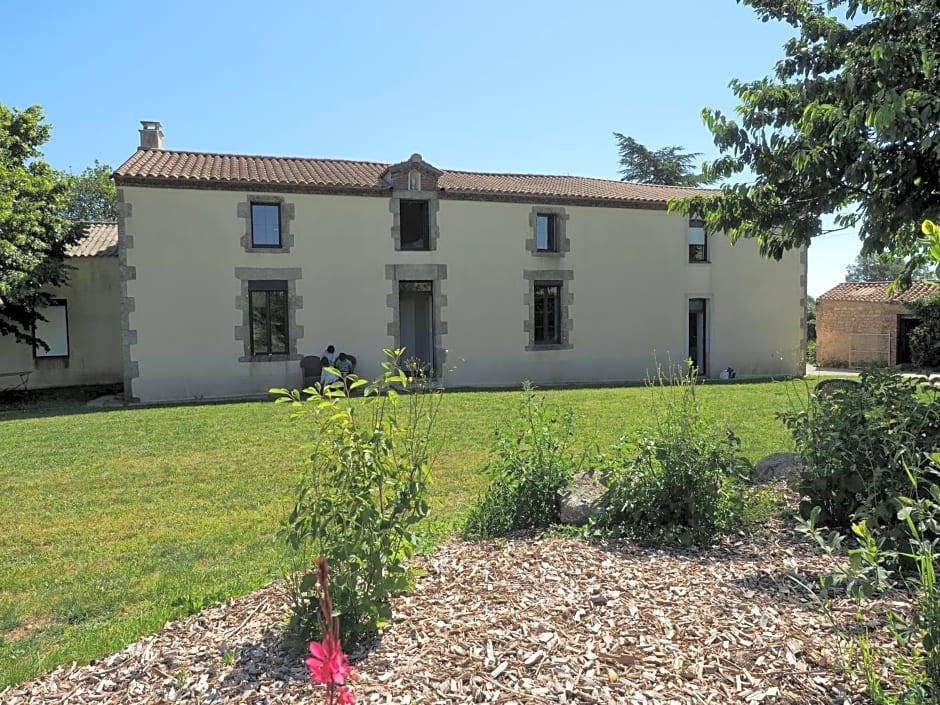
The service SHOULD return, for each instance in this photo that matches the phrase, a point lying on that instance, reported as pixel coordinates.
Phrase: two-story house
(233, 267)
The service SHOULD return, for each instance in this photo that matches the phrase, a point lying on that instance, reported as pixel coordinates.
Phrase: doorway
(905, 325)
(698, 335)
(416, 318)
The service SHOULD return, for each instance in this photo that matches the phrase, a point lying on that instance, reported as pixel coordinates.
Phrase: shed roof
(204, 169)
(878, 292)
(101, 240)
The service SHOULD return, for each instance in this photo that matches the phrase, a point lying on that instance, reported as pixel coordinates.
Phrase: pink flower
(328, 663)
(345, 697)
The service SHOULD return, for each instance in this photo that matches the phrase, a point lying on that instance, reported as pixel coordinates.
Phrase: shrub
(856, 444)
(680, 481)
(532, 463)
(362, 491)
(924, 340)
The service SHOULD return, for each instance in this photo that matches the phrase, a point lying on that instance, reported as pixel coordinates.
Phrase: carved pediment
(415, 174)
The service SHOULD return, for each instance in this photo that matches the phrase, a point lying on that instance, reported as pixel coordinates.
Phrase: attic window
(415, 225)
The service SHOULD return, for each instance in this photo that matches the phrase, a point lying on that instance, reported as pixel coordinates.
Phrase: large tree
(669, 166)
(34, 233)
(882, 267)
(848, 124)
(91, 196)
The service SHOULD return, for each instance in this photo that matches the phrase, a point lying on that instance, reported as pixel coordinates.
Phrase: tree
(849, 124)
(668, 166)
(34, 233)
(91, 196)
(882, 267)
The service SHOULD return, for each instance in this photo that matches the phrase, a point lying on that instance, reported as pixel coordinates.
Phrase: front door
(416, 317)
(905, 325)
(697, 335)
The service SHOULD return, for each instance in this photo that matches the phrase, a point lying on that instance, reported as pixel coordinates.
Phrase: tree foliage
(849, 123)
(883, 267)
(34, 232)
(91, 195)
(668, 166)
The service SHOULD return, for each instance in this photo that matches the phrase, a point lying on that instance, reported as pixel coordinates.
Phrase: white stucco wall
(631, 284)
(93, 302)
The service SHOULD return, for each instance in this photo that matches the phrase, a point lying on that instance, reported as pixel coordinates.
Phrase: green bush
(363, 489)
(681, 481)
(924, 340)
(856, 443)
(532, 463)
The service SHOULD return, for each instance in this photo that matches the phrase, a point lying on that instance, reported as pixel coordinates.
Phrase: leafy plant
(872, 569)
(924, 340)
(680, 481)
(531, 465)
(362, 493)
(856, 444)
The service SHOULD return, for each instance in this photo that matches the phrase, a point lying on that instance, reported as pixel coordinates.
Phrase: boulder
(778, 466)
(582, 501)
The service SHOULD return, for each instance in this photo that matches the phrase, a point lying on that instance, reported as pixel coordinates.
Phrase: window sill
(269, 358)
(700, 261)
(548, 346)
(548, 253)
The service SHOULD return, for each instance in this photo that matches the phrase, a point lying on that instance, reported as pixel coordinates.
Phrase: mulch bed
(526, 620)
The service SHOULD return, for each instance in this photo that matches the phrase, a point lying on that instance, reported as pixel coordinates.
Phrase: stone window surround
(287, 214)
(434, 273)
(294, 303)
(562, 241)
(394, 207)
(564, 277)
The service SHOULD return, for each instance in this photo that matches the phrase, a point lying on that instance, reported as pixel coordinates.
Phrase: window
(698, 241)
(54, 330)
(415, 225)
(267, 302)
(547, 310)
(265, 225)
(546, 229)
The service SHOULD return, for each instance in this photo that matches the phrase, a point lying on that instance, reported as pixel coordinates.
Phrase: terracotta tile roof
(878, 291)
(101, 240)
(192, 168)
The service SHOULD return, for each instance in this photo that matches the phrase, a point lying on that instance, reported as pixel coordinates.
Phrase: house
(859, 323)
(82, 327)
(234, 267)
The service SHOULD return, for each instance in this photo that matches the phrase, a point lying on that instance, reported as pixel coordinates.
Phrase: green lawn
(117, 521)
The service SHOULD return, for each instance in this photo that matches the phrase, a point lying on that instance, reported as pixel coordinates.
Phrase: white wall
(631, 286)
(94, 333)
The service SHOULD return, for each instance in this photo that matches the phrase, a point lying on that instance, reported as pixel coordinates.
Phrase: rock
(582, 501)
(778, 466)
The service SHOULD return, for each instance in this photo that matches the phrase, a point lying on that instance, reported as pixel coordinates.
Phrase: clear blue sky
(521, 86)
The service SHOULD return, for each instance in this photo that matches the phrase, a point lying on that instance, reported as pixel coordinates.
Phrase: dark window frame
(550, 313)
(38, 353)
(268, 287)
(698, 254)
(551, 235)
(421, 244)
(280, 225)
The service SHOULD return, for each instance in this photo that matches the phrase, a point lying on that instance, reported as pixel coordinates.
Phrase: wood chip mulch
(527, 620)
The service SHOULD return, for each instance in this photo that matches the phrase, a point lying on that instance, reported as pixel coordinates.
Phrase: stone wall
(857, 332)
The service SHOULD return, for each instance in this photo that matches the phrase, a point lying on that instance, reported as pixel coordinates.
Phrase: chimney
(151, 136)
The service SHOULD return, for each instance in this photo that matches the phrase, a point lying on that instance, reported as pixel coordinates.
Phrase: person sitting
(330, 354)
(327, 377)
(344, 364)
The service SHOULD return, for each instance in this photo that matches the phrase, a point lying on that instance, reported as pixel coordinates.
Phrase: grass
(117, 521)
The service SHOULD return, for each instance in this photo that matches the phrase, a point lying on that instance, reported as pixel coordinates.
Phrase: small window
(547, 310)
(265, 225)
(698, 241)
(54, 331)
(546, 232)
(415, 225)
(267, 301)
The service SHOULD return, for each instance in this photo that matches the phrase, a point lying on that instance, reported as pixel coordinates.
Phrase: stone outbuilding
(859, 323)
